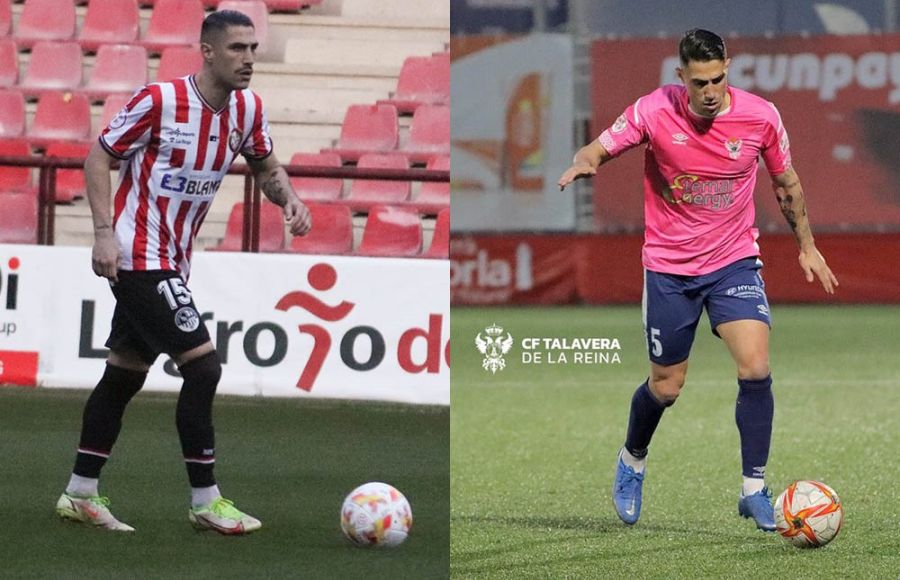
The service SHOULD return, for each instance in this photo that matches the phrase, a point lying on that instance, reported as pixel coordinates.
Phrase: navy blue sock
(646, 412)
(753, 414)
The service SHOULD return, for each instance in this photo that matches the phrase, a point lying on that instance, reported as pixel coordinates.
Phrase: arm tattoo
(274, 189)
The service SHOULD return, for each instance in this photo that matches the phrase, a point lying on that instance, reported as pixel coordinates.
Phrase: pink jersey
(175, 149)
(699, 176)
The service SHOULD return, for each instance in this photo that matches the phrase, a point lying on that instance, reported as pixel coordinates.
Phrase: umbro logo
(679, 139)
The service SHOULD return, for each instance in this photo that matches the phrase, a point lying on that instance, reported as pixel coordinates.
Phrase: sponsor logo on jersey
(679, 139)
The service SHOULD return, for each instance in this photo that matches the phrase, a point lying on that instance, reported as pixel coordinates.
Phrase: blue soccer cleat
(627, 493)
(759, 507)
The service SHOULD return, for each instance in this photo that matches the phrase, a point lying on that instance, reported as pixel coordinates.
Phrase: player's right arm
(105, 255)
(585, 163)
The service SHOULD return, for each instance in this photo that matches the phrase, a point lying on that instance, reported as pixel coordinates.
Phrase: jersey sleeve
(259, 144)
(776, 151)
(131, 128)
(629, 130)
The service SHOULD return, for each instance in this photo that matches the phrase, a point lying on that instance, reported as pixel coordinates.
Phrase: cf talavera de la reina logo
(494, 346)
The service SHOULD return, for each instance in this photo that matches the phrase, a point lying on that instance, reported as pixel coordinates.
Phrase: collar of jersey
(203, 100)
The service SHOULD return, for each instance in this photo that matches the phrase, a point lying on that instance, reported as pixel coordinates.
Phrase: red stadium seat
(45, 20)
(179, 61)
(15, 179)
(440, 240)
(435, 193)
(258, 13)
(109, 22)
(367, 192)
(112, 105)
(70, 183)
(61, 117)
(429, 133)
(391, 231)
(424, 80)
(118, 68)
(9, 62)
(332, 231)
(174, 23)
(18, 218)
(271, 229)
(12, 113)
(54, 66)
(367, 129)
(316, 188)
(5, 17)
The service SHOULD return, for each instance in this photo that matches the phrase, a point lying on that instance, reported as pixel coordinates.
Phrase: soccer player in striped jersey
(703, 143)
(175, 141)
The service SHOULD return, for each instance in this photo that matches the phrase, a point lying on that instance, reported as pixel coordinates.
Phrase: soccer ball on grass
(376, 514)
(808, 514)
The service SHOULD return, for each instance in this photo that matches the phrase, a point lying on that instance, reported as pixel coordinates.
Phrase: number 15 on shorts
(175, 292)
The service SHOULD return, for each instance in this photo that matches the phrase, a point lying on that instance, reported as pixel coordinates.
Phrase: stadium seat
(423, 80)
(429, 133)
(435, 193)
(332, 231)
(118, 68)
(54, 66)
(112, 105)
(45, 20)
(19, 218)
(173, 23)
(12, 113)
(60, 117)
(258, 13)
(109, 22)
(440, 240)
(316, 188)
(9, 62)
(271, 229)
(290, 5)
(391, 231)
(15, 179)
(179, 61)
(367, 129)
(6, 18)
(70, 183)
(367, 192)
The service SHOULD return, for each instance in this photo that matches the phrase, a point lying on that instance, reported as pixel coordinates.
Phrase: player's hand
(814, 266)
(105, 255)
(578, 171)
(297, 215)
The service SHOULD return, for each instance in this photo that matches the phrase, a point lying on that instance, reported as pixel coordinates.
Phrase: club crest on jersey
(620, 124)
(119, 119)
(234, 139)
(733, 145)
(187, 319)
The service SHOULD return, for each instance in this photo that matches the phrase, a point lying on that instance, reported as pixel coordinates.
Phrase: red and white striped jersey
(175, 149)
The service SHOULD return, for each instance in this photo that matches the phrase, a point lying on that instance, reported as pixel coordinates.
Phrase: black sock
(646, 412)
(193, 417)
(753, 413)
(102, 418)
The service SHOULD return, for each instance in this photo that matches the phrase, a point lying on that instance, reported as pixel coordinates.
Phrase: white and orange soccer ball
(808, 514)
(376, 514)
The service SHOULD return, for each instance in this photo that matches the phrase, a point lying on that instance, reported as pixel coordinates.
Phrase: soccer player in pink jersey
(176, 141)
(703, 140)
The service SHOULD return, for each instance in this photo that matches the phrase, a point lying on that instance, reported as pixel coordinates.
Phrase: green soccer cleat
(223, 517)
(89, 510)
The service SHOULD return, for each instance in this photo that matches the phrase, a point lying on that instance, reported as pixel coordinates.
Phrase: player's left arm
(274, 182)
(789, 193)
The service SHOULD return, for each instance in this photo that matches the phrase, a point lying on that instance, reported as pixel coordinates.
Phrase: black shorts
(154, 314)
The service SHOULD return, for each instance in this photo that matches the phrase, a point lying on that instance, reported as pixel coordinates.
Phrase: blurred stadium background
(533, 445)
(352, 88)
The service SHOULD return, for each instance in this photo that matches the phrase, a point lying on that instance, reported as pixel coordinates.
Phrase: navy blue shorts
(672, 306)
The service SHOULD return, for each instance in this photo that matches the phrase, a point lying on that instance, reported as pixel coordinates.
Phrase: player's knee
(202, 373)
(754, 370)
(667, 388)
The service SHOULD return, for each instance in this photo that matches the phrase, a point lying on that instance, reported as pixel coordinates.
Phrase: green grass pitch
(288, 462)
(533, 450)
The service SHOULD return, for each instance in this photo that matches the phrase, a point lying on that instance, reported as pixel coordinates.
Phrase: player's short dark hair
(702, 46)
(218, 21)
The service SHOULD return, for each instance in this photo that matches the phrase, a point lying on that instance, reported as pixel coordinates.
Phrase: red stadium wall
(565, 269)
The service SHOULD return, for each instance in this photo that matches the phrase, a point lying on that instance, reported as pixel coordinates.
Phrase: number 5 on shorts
(656, 345)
